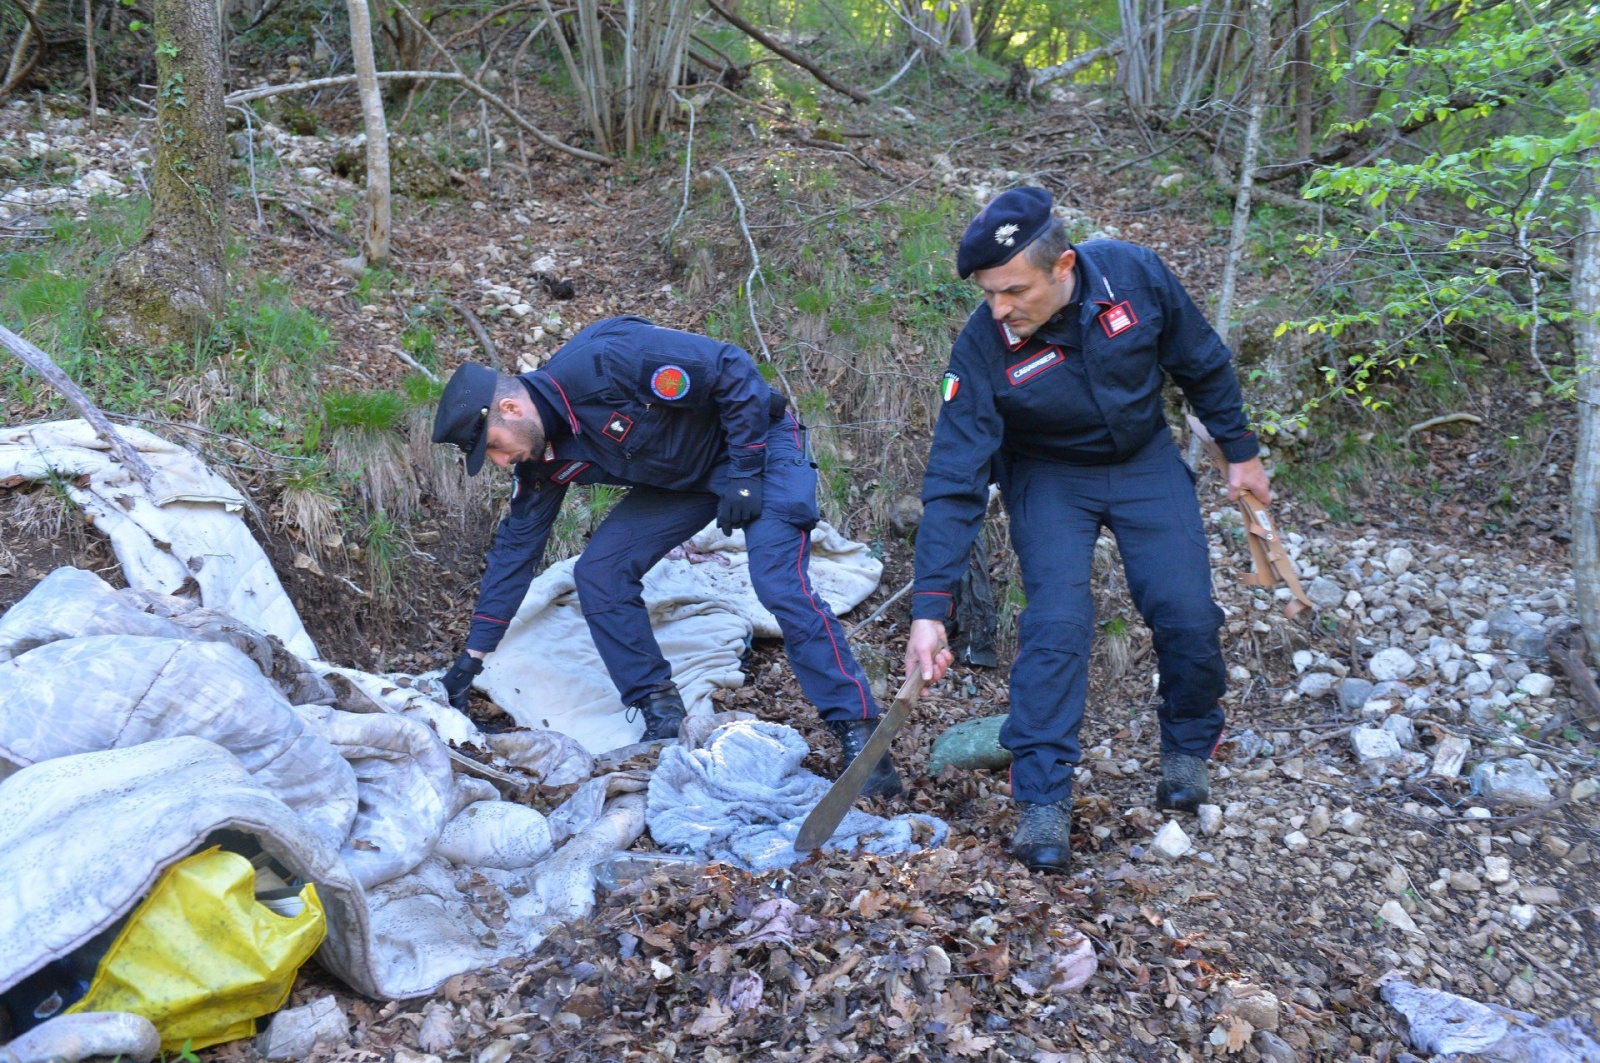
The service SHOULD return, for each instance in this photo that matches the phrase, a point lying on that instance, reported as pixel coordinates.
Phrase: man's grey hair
(1048, 246)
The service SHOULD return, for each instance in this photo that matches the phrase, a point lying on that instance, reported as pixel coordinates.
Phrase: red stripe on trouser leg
(838, 658)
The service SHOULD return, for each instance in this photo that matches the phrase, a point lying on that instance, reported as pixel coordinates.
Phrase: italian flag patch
(949, 386)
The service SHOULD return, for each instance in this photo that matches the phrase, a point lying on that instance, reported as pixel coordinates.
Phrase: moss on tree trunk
(170, 286)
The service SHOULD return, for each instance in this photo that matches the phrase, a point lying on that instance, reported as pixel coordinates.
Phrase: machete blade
(824, 819)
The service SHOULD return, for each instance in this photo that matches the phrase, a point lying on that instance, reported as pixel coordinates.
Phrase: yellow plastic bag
(201, 958)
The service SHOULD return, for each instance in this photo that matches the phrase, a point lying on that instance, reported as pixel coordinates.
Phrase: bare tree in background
(627, 100)
(375, 246)
(1260, 50)
(170, 286)
(1586, 461)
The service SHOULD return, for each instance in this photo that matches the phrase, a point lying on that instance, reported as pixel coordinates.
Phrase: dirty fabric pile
(741, 797)
(137, 726)
(703, 610)
(164, 737)
(182, 536)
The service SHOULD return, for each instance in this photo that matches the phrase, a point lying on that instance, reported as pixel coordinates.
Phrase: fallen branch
(41, 363)
(298, 212)
(1225, 179)
(750, 30)
(1045, 75)
(33, 32)
(246, 95)
(887, 85)
(755, 262)
(479, 333)
(884, 608)
(1569, 651)
(1448, 418)
(729, 92)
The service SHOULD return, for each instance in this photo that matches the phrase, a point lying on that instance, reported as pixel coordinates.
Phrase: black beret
(1010, 222)
(463, 417)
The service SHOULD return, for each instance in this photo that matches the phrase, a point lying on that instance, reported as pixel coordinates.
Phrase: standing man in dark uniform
(688, 424)
(1054, 391)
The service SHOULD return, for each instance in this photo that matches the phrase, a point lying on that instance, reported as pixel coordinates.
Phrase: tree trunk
(375, 247)
(1261, 45)
(170, 286)
(1302, 81)
(1586, 462)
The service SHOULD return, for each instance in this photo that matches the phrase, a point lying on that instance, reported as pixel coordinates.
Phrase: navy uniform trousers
(1056, 511)
(650, 521)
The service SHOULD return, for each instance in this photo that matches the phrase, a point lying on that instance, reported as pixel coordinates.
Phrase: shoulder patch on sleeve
(949, 386)
(670, 382)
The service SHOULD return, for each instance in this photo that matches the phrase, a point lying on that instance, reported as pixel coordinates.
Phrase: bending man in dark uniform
(688, 424)
(1054, 391)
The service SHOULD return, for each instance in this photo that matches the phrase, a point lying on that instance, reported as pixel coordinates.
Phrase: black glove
(741, 503)
(458, 680)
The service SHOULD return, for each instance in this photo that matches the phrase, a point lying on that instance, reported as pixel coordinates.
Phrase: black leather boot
(853, 734)
(663, 712)
(1185, 783)
(1044, 835)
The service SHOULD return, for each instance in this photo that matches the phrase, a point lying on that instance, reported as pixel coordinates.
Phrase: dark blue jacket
(1136, 322)
(643, 405)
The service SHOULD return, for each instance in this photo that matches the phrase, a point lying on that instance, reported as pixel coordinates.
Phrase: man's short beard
(528, 432)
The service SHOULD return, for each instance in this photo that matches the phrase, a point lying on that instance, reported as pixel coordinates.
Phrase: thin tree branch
(1045, 75)
(688, 162)
(42, 364)
(479, 333)
(484, 94)
(20, 75)
(887, 85)
(755, 260)
(245, 95)
(750, 30)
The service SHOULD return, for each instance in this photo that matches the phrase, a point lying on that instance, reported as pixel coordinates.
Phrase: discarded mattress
(182, 719)
(185, 533)
(163, 737)
(703, 610)
(742, 796)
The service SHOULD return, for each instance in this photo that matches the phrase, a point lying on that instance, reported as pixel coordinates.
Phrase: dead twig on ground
(775, 112)
(1447, 418)
(895, 597)
(1569, 651)
(479, 333)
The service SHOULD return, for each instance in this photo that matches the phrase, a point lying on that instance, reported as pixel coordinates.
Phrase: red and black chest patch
(568, 472)
(617, 427)
(1033, 365)
(1118, 319)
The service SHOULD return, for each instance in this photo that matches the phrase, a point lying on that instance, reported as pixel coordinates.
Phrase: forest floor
(1263, 933)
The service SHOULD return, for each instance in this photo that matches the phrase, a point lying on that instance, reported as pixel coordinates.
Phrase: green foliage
(364, 411)
(1464, 244)
(386, 544)
(268, 327)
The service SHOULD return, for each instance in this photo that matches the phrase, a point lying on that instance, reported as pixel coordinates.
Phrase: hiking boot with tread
(1185, 783)
(852, 735)
(1043, 840)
